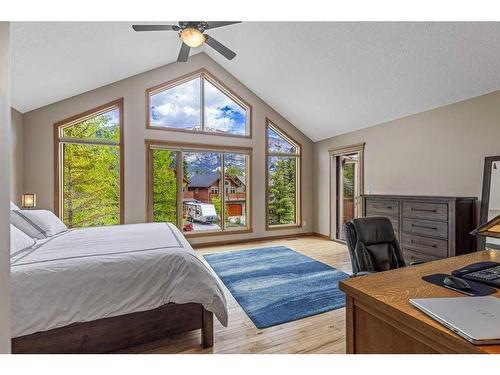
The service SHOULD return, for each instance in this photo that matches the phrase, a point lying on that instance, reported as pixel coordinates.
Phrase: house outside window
(200, 209)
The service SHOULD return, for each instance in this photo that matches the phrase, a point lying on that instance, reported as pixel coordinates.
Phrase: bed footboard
(120, 332)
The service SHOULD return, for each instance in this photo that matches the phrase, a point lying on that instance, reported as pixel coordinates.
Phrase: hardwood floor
(323, 333)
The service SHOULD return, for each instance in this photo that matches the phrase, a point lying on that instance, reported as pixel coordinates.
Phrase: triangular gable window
(198, 103)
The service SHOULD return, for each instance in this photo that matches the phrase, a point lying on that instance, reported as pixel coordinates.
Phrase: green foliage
(282, 190)
(348, 171)
(234, 171)
(91, 175)
(185, 168)
(217, 202)
(97, 127)
(164, 186)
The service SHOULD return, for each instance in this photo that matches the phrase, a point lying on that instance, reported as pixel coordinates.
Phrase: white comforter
(88, 274)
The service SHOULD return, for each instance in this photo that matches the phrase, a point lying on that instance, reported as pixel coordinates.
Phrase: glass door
(348, 191)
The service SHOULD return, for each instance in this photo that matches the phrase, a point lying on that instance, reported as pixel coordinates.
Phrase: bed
(107, 288)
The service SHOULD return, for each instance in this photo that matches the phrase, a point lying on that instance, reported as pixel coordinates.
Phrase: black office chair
(372, 245)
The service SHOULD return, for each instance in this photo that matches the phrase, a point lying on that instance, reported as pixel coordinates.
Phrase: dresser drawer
(382, 207)
(426, 228)
(426, 245)
(430, 218)
(411, 256)
(422, 210)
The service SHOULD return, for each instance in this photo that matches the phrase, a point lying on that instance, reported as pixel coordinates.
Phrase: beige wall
(38, 153)
(4, 188)
(438, 152)
(16, 154)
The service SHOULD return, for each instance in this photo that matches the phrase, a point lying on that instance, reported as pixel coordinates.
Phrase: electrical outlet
(304, 223)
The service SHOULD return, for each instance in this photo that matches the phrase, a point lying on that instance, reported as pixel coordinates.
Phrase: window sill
(216, 233)
(283, 227)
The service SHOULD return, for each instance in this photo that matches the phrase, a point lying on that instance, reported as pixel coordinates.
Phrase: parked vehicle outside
(201, 212)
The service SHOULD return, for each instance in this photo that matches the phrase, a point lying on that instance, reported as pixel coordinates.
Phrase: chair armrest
(416, 262)
(362, 273)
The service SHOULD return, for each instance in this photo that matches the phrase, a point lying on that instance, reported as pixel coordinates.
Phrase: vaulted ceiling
(327, 78)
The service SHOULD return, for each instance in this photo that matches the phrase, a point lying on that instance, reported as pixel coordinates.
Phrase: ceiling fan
(192, 34)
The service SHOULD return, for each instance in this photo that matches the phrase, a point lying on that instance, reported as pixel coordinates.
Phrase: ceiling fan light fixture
(192, 37)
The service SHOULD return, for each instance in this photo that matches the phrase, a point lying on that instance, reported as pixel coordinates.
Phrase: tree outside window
(283, 178)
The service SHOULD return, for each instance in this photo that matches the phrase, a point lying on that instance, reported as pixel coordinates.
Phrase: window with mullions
(283, 157)
(198, 103)
(186, 188)
(89, 183)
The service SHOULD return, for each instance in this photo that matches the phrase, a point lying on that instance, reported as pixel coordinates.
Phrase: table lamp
(489, 229)
(29, 201)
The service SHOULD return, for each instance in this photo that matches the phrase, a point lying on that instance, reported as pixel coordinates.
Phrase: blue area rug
(275, 285)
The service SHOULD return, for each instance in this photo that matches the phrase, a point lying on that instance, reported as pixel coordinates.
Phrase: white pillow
(13, 206)
(37, 223)
(19, 240)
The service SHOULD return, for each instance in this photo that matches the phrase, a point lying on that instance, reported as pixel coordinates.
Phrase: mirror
(490, 200)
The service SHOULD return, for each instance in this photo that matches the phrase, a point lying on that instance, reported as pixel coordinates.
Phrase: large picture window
(88, 167)
(198, 103)
(283, 180)
(203, 190)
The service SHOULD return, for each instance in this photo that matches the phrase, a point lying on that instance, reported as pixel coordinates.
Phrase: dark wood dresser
(427, 228)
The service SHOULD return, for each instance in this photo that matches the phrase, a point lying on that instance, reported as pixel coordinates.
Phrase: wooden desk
(380, 319)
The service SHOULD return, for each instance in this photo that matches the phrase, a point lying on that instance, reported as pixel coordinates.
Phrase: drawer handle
(423, 210)
(423, 226)
(388, 207)
(423, 244)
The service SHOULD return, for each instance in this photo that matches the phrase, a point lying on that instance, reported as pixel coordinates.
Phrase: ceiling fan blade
(214, 24)
(183, 53)
(154, 27)
(219, 47)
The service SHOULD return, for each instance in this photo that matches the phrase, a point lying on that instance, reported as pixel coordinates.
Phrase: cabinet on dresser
(427, 228)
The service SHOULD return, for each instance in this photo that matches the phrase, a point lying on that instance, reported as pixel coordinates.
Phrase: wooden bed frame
(120, 332)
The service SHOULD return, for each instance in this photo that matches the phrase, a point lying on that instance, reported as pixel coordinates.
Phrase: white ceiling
(326, 78)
